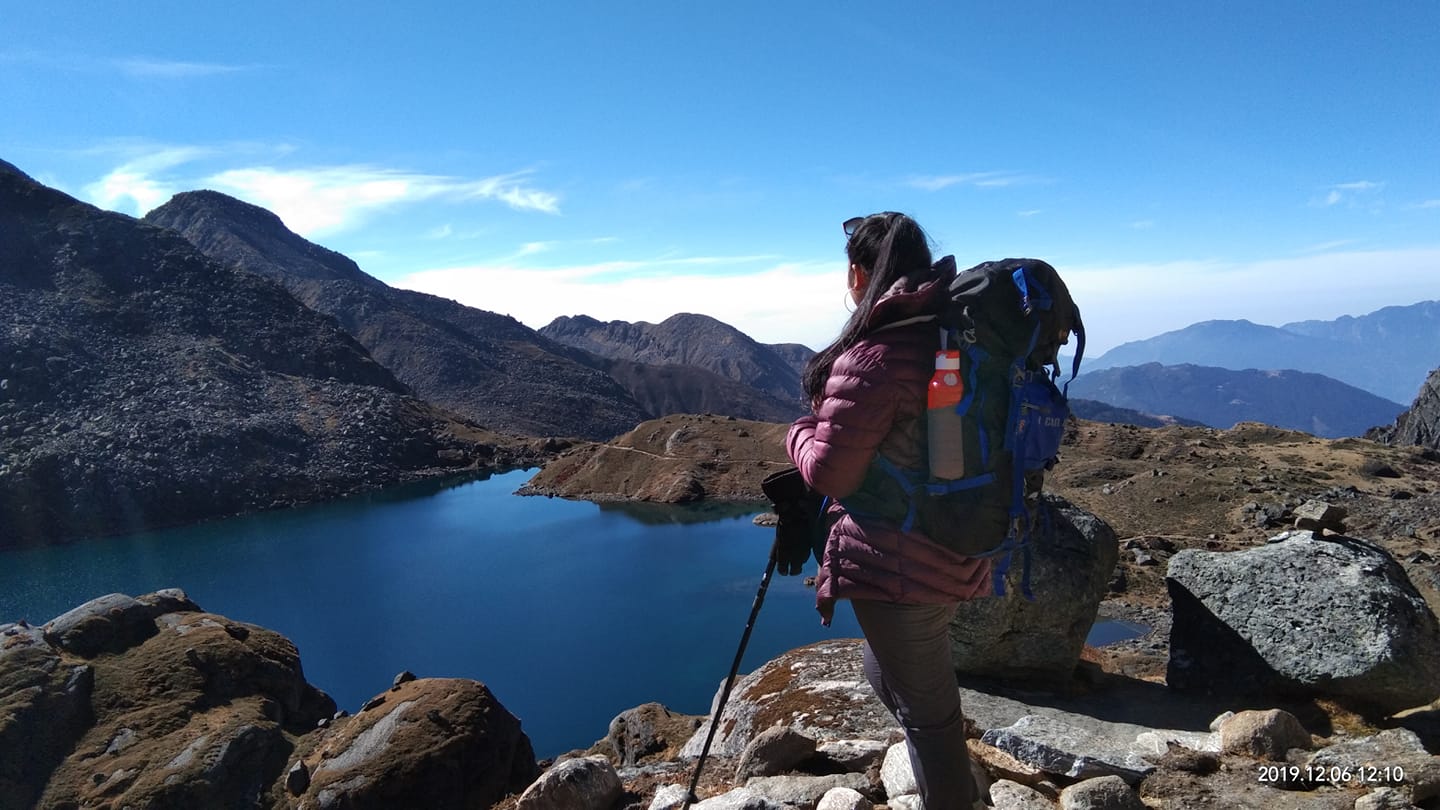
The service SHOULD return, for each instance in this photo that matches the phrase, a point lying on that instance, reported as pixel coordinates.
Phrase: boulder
(819, 691)
(804, 791)
(855, 756)
(843, 798)
(774, 751)
(432, 742)
(44, 710)
(897, 773)
(1264, 734)
(1057, 747)
(111, 623)
(669, 797)
(201, 713)
(647, 733)
(1007, 795)
(1393, 758)
(584, 783)
(1012, 638)
(1101, 793)
(1316, 615)
(1318, 516)
(1385, 798)
(739, 799)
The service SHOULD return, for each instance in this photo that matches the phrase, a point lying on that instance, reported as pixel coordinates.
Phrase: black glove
(798, 507)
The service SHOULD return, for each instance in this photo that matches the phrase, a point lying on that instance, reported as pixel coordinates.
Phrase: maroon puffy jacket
(874, 402)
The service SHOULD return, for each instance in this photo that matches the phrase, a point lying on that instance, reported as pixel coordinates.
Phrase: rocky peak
(7, 168)
(254, 237)
(686, 339)
(1420, 425)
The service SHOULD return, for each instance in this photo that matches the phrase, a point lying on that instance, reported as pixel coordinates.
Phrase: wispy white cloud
(1142, 225)
(135, 186)
(1030, 213)
(1325, 247)
(146, 68)
(331, 198)
(973, 179)
(1360, 185)
(1347, 192)
(133, 67)
(1429, 204)
(311, 200)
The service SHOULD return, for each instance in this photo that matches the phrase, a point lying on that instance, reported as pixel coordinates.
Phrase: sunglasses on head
(852, 224)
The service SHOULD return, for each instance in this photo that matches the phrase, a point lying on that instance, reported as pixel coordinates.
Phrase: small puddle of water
(1109, 631)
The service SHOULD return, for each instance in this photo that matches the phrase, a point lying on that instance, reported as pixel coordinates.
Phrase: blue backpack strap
(907, 484)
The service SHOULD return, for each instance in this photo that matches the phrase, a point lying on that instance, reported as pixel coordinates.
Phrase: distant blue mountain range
(1219, 397)
(1388, 352)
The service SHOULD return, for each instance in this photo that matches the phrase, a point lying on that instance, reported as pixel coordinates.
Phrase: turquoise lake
(570, 612)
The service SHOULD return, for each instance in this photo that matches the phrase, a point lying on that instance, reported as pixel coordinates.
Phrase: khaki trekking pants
(908, 663)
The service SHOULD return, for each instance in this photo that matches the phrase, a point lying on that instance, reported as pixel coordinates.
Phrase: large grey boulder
(1011, 638)
(1056, 746)
(431, 742)
(1303, 614)
(1395, 757)
(774, 751)
(115, 622)
(584, 783)
(819, 691)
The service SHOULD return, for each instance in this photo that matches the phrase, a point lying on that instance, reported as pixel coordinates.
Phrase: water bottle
(945, 427)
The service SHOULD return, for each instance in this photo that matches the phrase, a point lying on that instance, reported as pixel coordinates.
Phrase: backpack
(1008, 319)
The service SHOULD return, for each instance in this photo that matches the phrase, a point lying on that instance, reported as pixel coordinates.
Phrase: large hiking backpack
(1008, 318)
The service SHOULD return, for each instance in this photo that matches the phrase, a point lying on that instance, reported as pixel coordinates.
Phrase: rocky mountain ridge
(486, 367)
(687, 339)
(143, 384)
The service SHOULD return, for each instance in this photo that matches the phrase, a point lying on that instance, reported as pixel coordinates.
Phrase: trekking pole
(734, 670)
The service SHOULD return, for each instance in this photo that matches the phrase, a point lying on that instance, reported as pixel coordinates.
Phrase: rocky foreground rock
(153, 702)
(1304, 613)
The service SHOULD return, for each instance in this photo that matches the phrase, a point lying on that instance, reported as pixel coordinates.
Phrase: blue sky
(1178, 162)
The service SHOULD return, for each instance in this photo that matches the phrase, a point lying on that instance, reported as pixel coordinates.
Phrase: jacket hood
(919, 294)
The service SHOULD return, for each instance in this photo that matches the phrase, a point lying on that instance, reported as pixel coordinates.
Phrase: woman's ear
(859, 279)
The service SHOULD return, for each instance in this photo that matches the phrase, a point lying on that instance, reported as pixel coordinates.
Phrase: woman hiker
(868, 395)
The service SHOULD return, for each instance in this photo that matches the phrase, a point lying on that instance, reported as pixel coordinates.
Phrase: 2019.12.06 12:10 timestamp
(1334, 774)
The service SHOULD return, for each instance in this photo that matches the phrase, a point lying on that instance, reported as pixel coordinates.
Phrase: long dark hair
(888, 246)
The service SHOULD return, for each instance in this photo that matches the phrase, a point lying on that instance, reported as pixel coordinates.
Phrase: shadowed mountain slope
(1419, 425)
(1220, 397)
(143, 384)
(484, 366)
